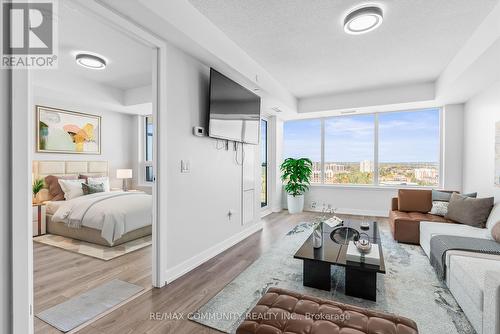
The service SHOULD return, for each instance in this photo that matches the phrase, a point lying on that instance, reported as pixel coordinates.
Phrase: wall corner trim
(197, 260)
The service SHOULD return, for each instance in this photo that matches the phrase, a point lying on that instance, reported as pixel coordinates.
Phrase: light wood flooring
(184, 295)
(60, 275)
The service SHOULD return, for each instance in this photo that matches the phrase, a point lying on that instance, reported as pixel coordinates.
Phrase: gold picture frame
(66, 131)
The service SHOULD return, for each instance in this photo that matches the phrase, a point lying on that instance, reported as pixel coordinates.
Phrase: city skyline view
(408, 148)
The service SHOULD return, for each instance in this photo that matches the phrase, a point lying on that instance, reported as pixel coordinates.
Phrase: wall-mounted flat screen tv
(234, 111)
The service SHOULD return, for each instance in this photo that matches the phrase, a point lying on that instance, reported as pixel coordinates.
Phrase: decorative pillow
(439, 208)
(71, 188)
(469, 211)
(495, 232)
(104, 180)
(445, 196)
(55, 191)
(92, 188)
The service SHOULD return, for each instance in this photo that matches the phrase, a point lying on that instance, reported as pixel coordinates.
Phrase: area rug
(93, 250)
(410, 287)
(78, 310)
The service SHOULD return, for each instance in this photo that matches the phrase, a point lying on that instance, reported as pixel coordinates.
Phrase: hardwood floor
(194, 289)
(60, 275)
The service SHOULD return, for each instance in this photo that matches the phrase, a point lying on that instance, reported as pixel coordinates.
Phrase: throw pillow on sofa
(495, 232)
(444, 196)
(439, 208)
(469, 211)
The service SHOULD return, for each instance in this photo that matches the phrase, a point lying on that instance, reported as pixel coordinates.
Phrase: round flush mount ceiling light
(362, 20)
(91, 61)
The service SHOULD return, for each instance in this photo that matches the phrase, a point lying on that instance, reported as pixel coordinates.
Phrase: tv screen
(234, 111)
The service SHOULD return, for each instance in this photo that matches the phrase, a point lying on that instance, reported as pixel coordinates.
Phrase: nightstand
(39, 219)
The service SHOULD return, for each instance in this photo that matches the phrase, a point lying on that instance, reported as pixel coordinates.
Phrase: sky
(403, 137)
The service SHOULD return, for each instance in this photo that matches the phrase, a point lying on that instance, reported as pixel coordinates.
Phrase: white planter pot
(295, 204)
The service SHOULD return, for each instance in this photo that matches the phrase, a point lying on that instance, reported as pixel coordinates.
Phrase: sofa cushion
(414, 200)
(428, 229)
(470, 272)
(470, 211)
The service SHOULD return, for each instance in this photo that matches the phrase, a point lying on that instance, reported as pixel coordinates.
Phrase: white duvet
(114, 213)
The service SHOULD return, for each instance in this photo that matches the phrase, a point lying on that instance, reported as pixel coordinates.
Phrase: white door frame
(22, 155)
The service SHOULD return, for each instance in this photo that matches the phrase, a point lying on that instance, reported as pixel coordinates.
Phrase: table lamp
(124, 174)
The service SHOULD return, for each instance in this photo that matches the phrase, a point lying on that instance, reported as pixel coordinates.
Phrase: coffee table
(360, 278)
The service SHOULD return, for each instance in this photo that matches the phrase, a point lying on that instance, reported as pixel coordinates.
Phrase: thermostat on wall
(199, 131)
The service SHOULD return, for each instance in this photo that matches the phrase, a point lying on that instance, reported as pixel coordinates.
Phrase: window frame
(376, 182)
(144, 163)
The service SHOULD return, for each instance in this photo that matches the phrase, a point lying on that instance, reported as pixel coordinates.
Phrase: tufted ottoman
(281, 311)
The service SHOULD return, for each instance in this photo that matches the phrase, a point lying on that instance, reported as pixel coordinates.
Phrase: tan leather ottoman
(281, 311)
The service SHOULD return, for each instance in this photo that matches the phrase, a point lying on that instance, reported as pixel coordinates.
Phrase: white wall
(453, 119)
(118, 142)
(5, 194)
(481, 114)
(198, 202)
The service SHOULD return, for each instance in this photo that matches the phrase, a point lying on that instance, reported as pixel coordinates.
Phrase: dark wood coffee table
(360, 279)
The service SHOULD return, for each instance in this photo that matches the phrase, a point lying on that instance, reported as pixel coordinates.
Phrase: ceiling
(302, 43)
(129, 62)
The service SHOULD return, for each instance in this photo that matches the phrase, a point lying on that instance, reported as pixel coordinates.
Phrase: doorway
(22, 165)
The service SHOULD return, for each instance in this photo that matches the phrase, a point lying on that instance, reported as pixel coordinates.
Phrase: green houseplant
(296, 174)
(37, 186)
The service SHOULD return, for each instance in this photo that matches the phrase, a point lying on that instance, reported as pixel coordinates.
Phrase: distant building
(426, 174)
(366, 166)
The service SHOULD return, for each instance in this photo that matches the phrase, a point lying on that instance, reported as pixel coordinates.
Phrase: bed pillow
(104, 180)
(470, 211)
(71, 188)
(86, 177)
(92, 188)
(55, 191)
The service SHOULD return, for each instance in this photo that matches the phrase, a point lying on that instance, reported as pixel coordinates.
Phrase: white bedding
(114, 213)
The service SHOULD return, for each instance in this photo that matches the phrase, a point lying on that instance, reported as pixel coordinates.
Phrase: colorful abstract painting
(62, 131)
(497, 154)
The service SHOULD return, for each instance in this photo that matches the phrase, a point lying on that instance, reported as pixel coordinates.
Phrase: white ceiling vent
(348, 112)
(276, 109)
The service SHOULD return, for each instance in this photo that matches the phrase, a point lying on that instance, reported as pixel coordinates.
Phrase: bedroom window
(148, 149)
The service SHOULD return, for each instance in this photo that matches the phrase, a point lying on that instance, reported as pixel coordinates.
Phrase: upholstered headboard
(41, 169)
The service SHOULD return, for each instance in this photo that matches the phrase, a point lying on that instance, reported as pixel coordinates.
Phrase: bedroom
(92, 168)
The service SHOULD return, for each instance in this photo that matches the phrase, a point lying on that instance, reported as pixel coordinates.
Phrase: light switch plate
(185, 166)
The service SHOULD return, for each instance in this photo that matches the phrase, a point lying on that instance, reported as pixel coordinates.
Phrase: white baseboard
(358, 212)
(190, 264)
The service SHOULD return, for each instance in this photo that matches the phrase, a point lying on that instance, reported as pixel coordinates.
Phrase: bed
(108, 219)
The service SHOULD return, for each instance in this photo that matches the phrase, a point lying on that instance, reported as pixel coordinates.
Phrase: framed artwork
(497, 154)
(63, 131)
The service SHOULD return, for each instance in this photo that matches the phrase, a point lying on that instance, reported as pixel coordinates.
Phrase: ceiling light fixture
(90, 61)
(362, 20)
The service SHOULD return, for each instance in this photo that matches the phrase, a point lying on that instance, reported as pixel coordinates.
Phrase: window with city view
(303, 140)
(408, 146)
(349, 143)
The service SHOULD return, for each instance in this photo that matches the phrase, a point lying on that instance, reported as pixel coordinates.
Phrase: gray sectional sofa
(473, 278)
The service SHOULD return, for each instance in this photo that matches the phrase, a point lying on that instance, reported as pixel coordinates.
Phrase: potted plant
(37, 186)
(296, 173)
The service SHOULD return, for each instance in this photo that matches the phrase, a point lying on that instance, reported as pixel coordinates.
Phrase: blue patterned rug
(410, 287)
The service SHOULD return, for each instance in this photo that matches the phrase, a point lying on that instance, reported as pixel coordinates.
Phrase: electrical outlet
(313, 204)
